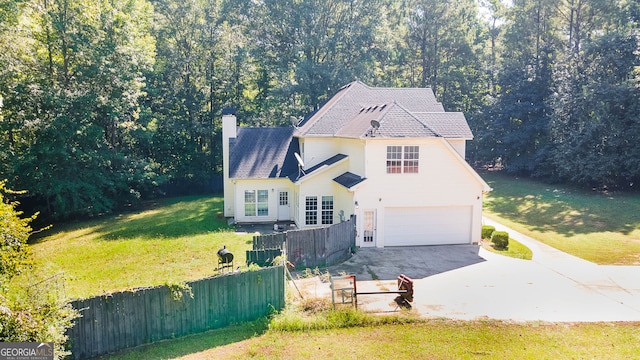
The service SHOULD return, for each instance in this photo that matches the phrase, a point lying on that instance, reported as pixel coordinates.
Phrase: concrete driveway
(468, 282)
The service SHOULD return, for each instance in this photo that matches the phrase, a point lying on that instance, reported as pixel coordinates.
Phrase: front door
(368, 229)
(284, 212)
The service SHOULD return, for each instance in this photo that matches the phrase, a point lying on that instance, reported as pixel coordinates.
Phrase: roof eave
(318, 171)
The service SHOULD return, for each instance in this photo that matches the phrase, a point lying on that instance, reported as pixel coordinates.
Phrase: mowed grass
(602, 228)
(426, 339)
(515, 250)
(173, 241)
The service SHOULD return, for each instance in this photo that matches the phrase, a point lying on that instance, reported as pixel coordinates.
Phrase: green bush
(487, 231)
(500, 240)
(30, 309)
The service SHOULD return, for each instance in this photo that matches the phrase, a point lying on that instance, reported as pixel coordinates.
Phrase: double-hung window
(311, 210)
(410, 160)
(327, 210)
(394, 159)
(322, 211)
(256, 203)
(403, 159)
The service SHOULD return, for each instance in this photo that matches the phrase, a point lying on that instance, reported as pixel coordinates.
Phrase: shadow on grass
(561, 209)
(191, 344)
(167, 218)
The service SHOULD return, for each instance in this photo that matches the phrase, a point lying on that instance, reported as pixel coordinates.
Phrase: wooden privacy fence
(309, 248)
(322, 246)
(118, 321)
(266, 248)
(269, 241)
(264, 257)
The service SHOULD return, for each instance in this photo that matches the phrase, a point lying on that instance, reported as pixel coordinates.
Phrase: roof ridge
(438, 112)
(394, 88)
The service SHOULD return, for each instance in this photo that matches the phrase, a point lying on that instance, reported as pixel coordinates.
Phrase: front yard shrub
(487, 231)
(500, 240)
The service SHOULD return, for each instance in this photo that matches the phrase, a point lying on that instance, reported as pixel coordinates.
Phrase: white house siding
(321, 184)
(443, 181)
(316, 150)
(272, 186)
(459, 145)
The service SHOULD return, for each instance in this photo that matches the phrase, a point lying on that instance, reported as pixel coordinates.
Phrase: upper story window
(411, 157)
(403, 159)
(394, 159)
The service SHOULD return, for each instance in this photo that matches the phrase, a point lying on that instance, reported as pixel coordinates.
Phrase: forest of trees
(107, 102)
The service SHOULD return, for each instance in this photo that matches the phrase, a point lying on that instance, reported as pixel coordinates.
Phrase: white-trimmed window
(256, 203)
(410, 159)
(403, 159)
(311, 210)
(315, 211)
(327, 210)
(394, 159)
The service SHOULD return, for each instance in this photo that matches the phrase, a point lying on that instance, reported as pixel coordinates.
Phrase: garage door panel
(427, 226)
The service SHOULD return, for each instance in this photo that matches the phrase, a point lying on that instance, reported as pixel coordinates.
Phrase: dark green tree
(310, 48)
(596, 126)
(517, 134)
(201, 66)
(71, 116)
(444, 46)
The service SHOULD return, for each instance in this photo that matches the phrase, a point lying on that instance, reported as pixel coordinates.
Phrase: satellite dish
(294, 121)
(300, 162)
(375, 126)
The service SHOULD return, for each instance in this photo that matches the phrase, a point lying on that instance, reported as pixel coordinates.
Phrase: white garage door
(427, 226)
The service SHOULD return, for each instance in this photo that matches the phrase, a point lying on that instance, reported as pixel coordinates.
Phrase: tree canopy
(105, 103)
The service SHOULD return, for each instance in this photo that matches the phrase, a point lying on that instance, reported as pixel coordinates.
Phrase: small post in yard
(287, 273)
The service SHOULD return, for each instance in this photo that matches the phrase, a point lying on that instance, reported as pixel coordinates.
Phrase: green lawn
(175, 240)
(515, 250)
(429, 339)
(602, 228)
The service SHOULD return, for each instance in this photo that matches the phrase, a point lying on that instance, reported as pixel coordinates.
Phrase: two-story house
(391, 156)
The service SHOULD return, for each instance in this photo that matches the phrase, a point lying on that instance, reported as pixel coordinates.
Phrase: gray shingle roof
(349, 179)
(401, 112)
(446, 124)
(260, 153)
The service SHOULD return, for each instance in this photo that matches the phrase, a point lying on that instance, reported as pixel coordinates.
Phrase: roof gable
(393, 120)
(262, 153)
